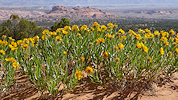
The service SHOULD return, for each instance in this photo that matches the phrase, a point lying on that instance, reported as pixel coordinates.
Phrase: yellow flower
(166, 43)
(110, 25)
(163, 39)
(82, 58)
(108, 35)
(146, 30)
(14, 44)
(78, 34)
(176, 40)
(98, 29)
(131, 31)
(34, 66)
(113, 36)
(105, 54)
(90, 43)
(149, 59)
(161, 51)
(176, 50)
(67, 28)
(10, 59)
(45, 31)
(101, 40)
(15, 65)
(121, 46)
(123, 37)
(145, 48)
(151, 35)
(10, 38)
(108, 30)
(10, 46)
(4, 42)
(147, 36)
(84, 27)
(170, 54)
(139, 45)
(103, 27)
(81, 37)
(65, 52)
(115, 25)
(58, 30)
(138, 37)
(36, 38)
(89, 70)
(78, 75)
(1, 43)
(120, 30)
(117, 59)
(142, 44)
(96, 24)
(171, 38)
(141, 31)
(13, 48)
(3, 52)
(64, 32)
(75, 27)
(134, 33)
(44, 36)
(19, 42)
(58, 38)
(25, 40)
(157, 33)
(167, 35)
(164, 34)
(52, 33)
(172, 32)
(97, 41)
(4, 36)
(25, 46)
(115, 47)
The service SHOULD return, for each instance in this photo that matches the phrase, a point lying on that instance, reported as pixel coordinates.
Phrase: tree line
(19, 28)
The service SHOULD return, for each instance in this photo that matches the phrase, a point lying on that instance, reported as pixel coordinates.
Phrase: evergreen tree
(19, 28)
(64, 22)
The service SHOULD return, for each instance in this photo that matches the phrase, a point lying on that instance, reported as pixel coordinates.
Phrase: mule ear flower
(150, 60)
(139, 45)
(89, 70)
(117, 59)
(65, 52)
(3, 52)
(58, 38)
(145, 49)
(82, 58)
(121, 46)
(105, 54)
(25, 46)
(161, 51)
(15, 65)
(78, 75)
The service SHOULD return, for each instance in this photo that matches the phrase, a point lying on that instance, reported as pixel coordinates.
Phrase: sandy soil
(23, 90)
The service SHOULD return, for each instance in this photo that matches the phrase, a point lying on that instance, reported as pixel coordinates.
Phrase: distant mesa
(78, 11)
(58, 12)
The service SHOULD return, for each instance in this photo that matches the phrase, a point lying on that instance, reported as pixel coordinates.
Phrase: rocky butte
(75, 13)
(57, 12)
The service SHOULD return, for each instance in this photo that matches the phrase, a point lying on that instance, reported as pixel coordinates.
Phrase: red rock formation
(78, 11)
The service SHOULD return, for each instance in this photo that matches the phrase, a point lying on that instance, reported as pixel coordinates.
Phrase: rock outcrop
(57, 12)
(78, 11)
